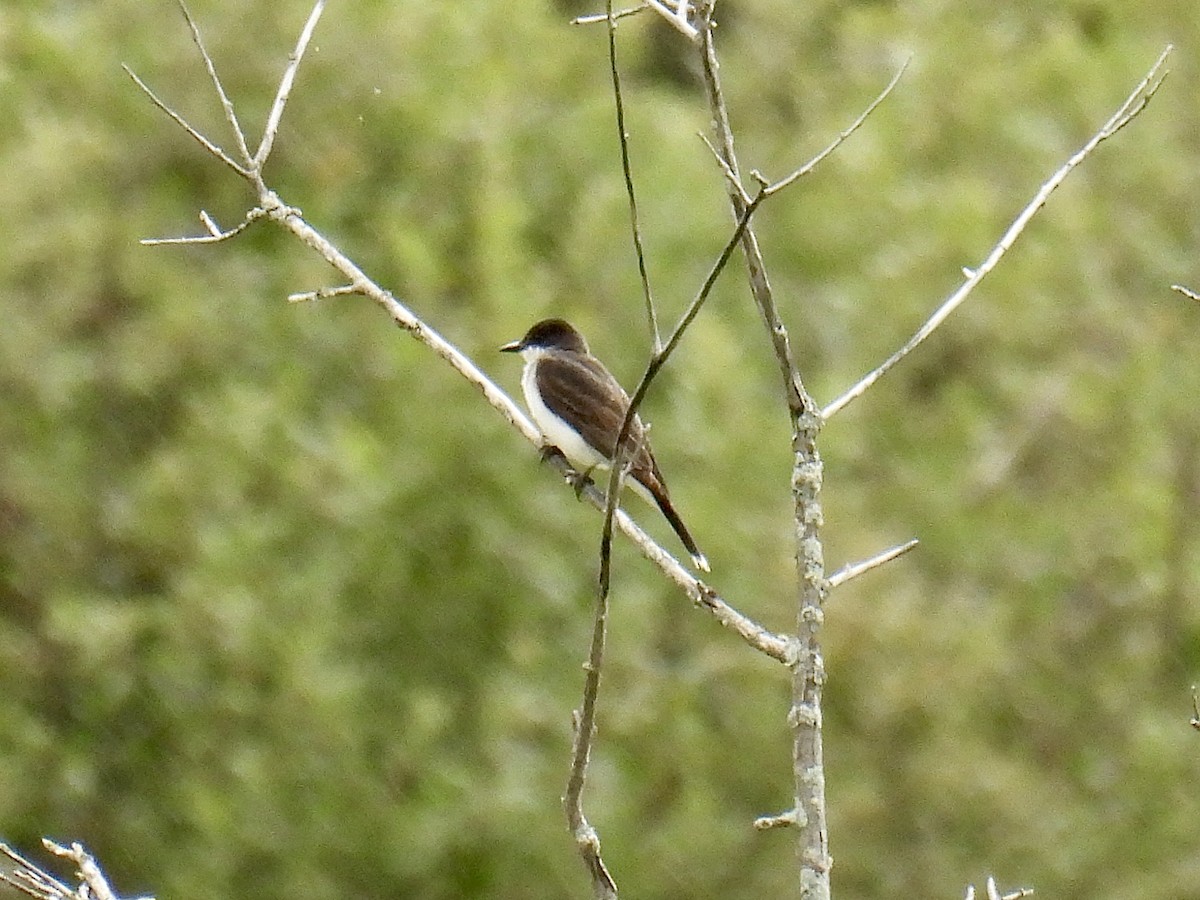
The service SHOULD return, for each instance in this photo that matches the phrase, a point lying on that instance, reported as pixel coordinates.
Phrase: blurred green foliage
(286, 611)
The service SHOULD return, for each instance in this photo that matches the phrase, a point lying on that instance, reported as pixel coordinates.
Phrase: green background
(286, 611)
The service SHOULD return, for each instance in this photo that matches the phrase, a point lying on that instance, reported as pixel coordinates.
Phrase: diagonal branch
(1125, 114)
(285, 86)
(30, 878)
(851, 571)
(186, 126)
(226, 104)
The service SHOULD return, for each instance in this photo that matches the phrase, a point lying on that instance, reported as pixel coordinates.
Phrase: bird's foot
(580, 480)
(548, 452)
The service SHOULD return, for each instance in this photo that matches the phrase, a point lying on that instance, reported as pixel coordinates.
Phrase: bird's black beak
(512, 347)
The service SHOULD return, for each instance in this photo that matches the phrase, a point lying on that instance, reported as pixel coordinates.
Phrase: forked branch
(31, 879)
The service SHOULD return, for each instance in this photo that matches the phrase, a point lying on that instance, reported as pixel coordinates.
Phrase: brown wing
(580, 390)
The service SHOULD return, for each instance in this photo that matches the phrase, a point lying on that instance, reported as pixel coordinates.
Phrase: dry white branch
(323, 293)
(853, 570)
(1187, 292)
(808, 673)
(1128, 110)
(285, 86)
(603, 17)
(30, 878)
(226, 104)
(993, 892)
(676, 17)
(215, 233)
(782, 820)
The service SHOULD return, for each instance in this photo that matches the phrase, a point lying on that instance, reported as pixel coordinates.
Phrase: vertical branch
(809, 673)
(586, 839)
(627, 169)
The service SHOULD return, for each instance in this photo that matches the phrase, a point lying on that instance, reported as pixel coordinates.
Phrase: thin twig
(324, 293)
(29, 878)
(1128, 110)
(1187, 292)
(731, 177)
(782, 820)
(285, 86)
(627, 171)
(596, 18)
(586, 839)
(837, 142)
(215, 234)
(183, 123)
(657, 361)
(853, 570)
(92, 877)
(993, 892)
(677, 18)
(226, 104)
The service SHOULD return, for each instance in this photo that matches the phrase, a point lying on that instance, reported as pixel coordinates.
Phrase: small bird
(579, 407)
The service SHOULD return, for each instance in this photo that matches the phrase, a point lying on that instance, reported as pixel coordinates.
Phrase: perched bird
(579, 407)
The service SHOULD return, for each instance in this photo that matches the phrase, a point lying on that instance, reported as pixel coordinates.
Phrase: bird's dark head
(549, 334)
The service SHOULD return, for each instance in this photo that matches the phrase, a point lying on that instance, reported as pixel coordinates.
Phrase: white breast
(555, 430)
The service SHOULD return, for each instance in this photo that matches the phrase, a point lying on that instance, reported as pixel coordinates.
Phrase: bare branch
(677, 18)
(735, 183)
(586, 839)
(783, 820)
(1133, 105)
(993, 892)
(837, 142)
(30, 878)
(285, 86)
(238, 134)
(1187, 292)
(604, 17)
(808, 672)
(627, 171)
(853, 570)
(186, 126)
(215, 234)
(323, 293)
(92, 877)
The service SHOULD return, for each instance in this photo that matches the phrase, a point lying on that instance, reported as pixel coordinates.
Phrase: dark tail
(664, 503)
